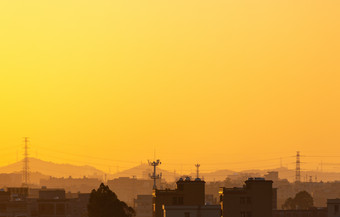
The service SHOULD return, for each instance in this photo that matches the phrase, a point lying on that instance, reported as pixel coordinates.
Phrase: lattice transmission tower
(298, 169)
(26, 169)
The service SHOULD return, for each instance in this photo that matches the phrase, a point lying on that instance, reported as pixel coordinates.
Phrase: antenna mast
(197, 170)
(297, 175)
(26, 169)
(153, 176)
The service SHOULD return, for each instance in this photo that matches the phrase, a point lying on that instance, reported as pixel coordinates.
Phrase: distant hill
(53, 169)
(217, 175)
(43, 169)
(143, 170)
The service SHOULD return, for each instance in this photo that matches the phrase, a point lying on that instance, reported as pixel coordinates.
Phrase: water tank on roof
(187, 178)
(197, 179)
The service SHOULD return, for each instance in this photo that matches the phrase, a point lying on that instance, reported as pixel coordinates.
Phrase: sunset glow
(112, 83)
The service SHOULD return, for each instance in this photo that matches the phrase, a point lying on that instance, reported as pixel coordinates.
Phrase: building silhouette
(320, 212)
(192, 211)
(333, 207)
(187, 193)
(254, 199)
(143, 206)
(52, 202)
(127, 188)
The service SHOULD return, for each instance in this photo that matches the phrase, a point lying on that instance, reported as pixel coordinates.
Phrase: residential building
(192, 211)
(187, 193)
(254, 199)
(127, 188)
(317, 212)
(143, 206)
(52, 203)
(333, 207)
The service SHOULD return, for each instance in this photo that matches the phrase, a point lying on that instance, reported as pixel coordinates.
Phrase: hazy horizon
(190, 168)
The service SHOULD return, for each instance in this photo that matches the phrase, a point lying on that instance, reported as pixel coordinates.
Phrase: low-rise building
(333, 207)
(143, 206)
(254, 199)
(127, 188)
(192, 211)
(317, 212)
(187, 193)
(52, 203)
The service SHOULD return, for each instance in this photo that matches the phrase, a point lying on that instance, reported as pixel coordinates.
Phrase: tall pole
(197, 170)
(25, 171)
(155, 176)
(298, 175)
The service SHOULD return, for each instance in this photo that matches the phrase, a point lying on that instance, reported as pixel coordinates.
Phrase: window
(3, 207)
(60, 209)
(242, 200)
(46, 209)
(248, 200)
(180, 201)
(174, 201)
(243, 214)
(248, 214)
(187, 214)
(336, 209)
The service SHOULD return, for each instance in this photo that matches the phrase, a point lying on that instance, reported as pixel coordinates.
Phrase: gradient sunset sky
(228, 83)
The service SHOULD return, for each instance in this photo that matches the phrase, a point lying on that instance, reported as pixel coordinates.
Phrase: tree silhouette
(302, 200)
(104, 203)
(289, 204)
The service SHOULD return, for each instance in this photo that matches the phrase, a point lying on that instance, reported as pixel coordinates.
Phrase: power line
(87, 163)
(87, 156)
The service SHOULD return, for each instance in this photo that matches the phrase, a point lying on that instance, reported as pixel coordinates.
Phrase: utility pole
(155, 176)
(298, 170)
(197, 170)
(26, 169)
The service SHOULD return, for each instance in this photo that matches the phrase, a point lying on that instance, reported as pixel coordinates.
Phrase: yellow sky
(219, 81)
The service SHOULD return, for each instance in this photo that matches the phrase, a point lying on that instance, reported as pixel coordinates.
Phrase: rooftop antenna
(26, 170)
(298, 174)
(197, 170)
(155, 176)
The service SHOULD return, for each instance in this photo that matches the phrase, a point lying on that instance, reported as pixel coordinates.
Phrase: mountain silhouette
(43, 169)
(53, 169)
(143, 170)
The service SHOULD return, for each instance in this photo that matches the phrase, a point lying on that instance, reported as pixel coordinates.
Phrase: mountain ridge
(47, 168)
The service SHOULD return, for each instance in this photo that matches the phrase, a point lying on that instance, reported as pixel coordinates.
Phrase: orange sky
(220, 81)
